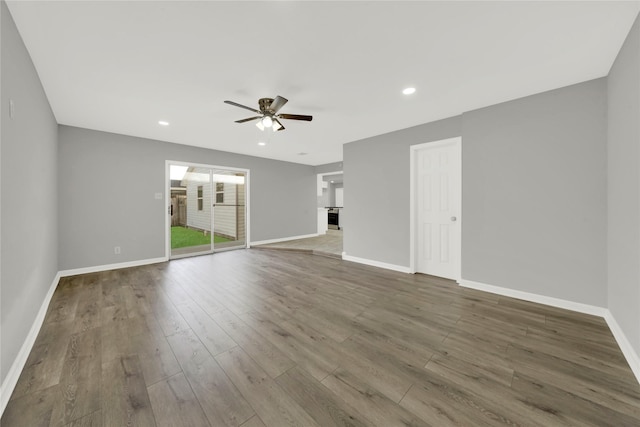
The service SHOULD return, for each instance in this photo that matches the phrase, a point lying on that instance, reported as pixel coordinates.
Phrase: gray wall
(329, 167)
(107, 184)
(29, 194)
(534, 194)
(376, 182)
(624, 188)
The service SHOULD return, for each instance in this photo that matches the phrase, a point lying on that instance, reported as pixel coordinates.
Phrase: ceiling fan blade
(243, 106)
(249, 119)
(295, 117)
(278, 122)
(277, 103)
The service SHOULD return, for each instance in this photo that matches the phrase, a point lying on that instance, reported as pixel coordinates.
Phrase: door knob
(454, 219)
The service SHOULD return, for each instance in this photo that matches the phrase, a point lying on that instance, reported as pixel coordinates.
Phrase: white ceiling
(121, 66)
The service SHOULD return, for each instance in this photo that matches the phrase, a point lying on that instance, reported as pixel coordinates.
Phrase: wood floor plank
(300, 352)
(255, 421)
(89, 308)
(135, 302)
(124, 393)
(422, 343)
(65, 301)
(384, 376)
(267, 355)
(499, 399)
(272, 404)
(571, 347)
(397, 349)
(116, 340)
(581, 411)
(45, 362)
(157, 360)
(34, 409)
(92, 420)
(79, 392)
(433, 326)
(174, 404)
(218, 396)
(200, 294)
(447, 406)
(586, 383)
(334, 325)
(113, 307)
(378, 409)
(212, 336)
(511, 315)
(168, 316)
(325, 408)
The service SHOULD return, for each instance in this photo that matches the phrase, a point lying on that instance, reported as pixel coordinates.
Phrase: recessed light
(262, 143)
(409, 90)
(332, 182)
(163, 123)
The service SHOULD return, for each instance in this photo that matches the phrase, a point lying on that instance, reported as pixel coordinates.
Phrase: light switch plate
(158, 196)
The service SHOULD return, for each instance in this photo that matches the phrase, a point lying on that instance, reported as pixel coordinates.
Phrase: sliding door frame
(167, 198)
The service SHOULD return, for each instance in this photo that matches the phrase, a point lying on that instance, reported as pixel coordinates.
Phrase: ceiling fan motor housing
(265, 105)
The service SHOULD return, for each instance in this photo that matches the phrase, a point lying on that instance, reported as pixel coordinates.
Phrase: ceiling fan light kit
(269, 117)
(267, 121)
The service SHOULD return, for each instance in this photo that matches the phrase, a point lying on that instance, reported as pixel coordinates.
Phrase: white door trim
(413, 217)
(167, 198)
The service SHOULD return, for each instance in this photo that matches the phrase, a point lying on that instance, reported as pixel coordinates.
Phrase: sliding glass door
(208, 209)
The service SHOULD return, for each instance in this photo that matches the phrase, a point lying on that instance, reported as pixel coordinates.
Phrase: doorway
(208, 209)
(436, 206)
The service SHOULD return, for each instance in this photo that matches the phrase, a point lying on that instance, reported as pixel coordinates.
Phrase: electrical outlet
(116, 250)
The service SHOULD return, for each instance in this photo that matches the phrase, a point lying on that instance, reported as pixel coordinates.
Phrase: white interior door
(437, 184)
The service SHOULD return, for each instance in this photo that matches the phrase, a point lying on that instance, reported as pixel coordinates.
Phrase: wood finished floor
(273, 338)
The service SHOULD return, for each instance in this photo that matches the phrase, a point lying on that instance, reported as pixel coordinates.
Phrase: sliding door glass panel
(229, 213)
(191, 213)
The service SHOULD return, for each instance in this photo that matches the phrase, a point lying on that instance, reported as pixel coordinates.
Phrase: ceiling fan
(269, 117)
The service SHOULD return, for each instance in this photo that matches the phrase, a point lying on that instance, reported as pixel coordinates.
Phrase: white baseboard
(107, 267)
(283, 239)
(20, 361)
(540, 299)
(374, 263)
(633, 359)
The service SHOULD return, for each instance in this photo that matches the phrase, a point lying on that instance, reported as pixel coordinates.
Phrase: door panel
(190, 232)
(437, 177)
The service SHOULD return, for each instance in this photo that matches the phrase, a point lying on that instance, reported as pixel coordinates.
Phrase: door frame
(322, 217)
(413, 203)
(167, 198)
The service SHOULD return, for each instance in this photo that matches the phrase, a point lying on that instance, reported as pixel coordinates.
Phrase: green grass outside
(182, 237)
